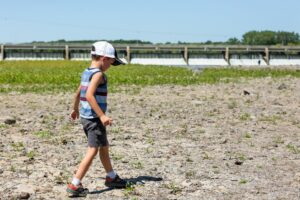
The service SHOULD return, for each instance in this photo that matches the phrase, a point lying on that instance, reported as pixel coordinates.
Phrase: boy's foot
(117, 182)
(77, 191)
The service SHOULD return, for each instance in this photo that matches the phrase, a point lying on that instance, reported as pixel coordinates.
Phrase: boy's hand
(75, 114)
(106, 120)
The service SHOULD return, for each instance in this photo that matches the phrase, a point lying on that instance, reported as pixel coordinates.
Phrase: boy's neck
(96, 64)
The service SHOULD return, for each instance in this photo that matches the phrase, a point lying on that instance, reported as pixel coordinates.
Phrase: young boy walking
(92, 94)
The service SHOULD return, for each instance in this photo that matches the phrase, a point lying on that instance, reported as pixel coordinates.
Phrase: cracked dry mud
(224, 141)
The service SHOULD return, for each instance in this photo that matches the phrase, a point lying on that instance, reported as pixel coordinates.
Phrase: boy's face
(107, 62)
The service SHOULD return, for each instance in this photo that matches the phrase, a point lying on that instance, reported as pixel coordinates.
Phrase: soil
(236, 140)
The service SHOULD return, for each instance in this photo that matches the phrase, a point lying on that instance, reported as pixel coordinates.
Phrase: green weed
(43, 134)
(293, 148)
(61, 76)
(245, 117)
(19, 146)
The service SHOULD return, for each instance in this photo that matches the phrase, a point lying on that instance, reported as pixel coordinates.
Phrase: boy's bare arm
(75, 111)
(95, 81)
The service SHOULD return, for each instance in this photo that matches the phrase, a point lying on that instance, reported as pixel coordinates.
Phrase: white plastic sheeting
(159, 61)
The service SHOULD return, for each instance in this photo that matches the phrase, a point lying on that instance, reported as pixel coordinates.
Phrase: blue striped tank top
(100, 95)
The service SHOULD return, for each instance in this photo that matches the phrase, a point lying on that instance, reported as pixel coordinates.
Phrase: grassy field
(52, 76)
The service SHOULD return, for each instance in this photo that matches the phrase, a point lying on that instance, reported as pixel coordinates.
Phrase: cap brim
(118, 61)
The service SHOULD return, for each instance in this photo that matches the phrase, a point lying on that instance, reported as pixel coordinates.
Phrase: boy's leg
(112, 179)
(105, 159)
(76, 188)
(86, 162)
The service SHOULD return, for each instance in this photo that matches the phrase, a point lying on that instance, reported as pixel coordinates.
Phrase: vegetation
(270, 38)
(265, 37)
(62, 41)
(62, 76)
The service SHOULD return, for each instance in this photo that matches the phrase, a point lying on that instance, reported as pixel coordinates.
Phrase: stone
(245, 92)
(282, 87)
(10, 120)
(24, 195)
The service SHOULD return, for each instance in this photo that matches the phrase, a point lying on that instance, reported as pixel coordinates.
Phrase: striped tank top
(100, 95)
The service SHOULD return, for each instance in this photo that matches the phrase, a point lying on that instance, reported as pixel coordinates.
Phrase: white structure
(159, 61)
(278, 60)
(207, 62)
(247, 60)
(34, 56)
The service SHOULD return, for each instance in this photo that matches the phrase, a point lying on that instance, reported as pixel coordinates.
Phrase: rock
(245, 92)
(24, 195)
(238, 162)
(10, 120)
(282, 87)
(224, 142)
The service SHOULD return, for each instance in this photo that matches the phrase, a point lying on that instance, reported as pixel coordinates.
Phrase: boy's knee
(93, 151)
(103, 148)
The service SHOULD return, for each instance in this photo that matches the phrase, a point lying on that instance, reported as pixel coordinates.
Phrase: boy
(91, 94)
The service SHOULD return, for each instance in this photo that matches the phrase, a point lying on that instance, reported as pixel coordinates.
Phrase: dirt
(224, 141)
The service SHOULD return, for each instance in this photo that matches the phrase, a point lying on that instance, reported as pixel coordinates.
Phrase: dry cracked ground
(225, 141)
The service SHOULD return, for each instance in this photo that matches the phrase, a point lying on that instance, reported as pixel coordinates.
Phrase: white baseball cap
(103, 48)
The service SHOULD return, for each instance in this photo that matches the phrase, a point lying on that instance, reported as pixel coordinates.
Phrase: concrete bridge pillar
(186, 55)
(227, 56)
(128, 58)
(2, 53)
(67, 53)
(267, 56)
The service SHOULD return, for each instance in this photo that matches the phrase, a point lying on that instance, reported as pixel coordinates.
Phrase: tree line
(267, 38)
(249, 38)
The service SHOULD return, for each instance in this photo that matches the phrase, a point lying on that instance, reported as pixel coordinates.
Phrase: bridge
(170, 55)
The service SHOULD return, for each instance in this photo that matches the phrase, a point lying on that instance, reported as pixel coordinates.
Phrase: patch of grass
(174, 188)
(60, 76)
(13, 168)
(272, 119)
(43, 134)
(278, 140)
(150, 140)
(3, 126)
(245, 117)
(129, 190)
(190, 174)
(248, 135)
(243, 181)
(19, 146)
(31, 154)
(232, 104)
(115, 130)
(138, 165)
(240, 157)
(117, 156)
(293, 148)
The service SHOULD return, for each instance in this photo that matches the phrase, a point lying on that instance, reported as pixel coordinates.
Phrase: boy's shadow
(140, 180)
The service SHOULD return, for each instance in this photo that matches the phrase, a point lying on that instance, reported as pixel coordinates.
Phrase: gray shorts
(95, 132)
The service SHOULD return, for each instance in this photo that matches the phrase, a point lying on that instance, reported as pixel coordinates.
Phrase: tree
(270, 38)
(233, 41)
(259, 38)
(285, 38)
